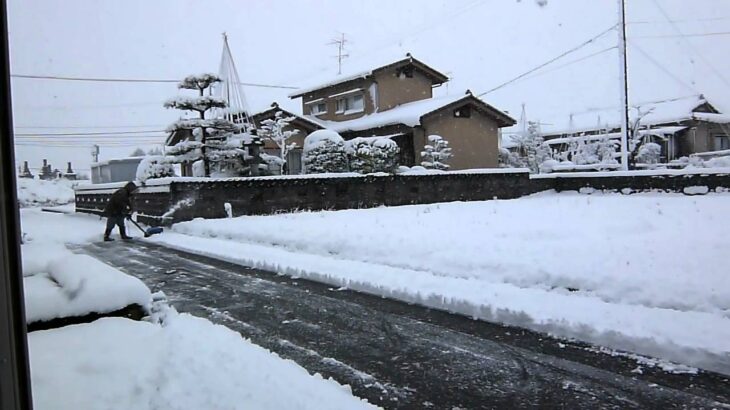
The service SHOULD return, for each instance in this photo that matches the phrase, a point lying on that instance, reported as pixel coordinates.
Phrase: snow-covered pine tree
(277, 130)
(213, 137)
(155, 166)
(324, 151)
(532, 147)
(436, 153)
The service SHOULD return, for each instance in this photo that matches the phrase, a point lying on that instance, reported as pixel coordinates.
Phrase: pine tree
(532, 147)
(275, 130)
(214, 138)
(436, 153)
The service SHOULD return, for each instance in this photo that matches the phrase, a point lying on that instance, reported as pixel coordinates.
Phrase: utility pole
(95, 153)
(623, 75)
(340, 43)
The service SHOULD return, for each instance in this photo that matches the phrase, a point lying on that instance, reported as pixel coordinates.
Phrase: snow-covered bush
(368, 155)
(385, 155)
(155, 167)
(649, 153)
(324, 151)
(509, 159)
(436, 153)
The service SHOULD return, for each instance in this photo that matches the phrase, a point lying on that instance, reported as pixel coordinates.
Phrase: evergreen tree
(276, 130)
(217, 140)
(436, 153)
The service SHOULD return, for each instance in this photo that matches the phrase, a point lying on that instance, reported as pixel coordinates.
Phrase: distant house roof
(412, 113)
(298, 122)
(665, 112)
(366, 69)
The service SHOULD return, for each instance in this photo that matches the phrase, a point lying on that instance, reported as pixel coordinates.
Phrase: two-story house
(396, 100)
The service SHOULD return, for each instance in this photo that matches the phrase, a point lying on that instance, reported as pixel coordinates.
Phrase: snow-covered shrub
(436, 153)
(509, 159)
(649, 153)
(368, 155)
(155, 167)
(718, 162)
(324, 151)
(385, 155)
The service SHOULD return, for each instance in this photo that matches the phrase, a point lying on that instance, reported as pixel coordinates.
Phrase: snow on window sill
(347, 112)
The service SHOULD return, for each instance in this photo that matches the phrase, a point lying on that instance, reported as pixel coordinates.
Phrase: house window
(721, 142)
(350, 104)
(463, 112)
(319, 108)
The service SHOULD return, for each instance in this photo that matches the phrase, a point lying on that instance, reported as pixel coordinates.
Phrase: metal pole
(15, 390)
(623, 75)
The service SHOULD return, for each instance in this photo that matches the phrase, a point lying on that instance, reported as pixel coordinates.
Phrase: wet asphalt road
(402, 356)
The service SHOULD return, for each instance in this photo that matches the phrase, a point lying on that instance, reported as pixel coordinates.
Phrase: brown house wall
(394, 91)
(332, 102)
(473, 140)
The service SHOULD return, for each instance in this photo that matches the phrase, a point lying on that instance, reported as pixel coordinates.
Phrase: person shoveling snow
(119, 205)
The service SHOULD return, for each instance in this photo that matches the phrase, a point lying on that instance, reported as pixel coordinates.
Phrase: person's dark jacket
(120, 203)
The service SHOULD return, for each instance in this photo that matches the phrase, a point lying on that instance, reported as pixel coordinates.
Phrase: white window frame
(317, 108)
(718, 138)
(345, 105)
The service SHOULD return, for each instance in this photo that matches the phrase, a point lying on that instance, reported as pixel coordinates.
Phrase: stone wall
(181, 199)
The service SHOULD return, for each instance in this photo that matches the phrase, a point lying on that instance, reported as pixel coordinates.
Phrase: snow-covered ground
(644, 273)
(186, 363)
(174, 361)
(36, 192)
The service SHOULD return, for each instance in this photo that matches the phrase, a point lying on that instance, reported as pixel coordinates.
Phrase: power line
(83, 126)
(719, 33)
(572, 50)
(131, 80)
(721, 18)
(712, 67)
(85, 133)
(578, 60)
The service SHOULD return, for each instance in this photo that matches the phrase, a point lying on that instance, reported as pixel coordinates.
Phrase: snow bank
(189, 363)
(628, 272)
(75, 285)
(37, 192)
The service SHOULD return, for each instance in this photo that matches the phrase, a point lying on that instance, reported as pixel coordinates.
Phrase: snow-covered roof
(662, 112)
(360, 69)
(711, 117)
(407, 114)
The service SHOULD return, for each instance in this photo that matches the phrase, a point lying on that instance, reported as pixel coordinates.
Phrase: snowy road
(402, 356)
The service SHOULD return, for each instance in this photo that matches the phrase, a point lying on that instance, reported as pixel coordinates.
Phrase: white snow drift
(644, 272)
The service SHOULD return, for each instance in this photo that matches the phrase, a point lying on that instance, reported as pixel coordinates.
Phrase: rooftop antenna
(340, 43)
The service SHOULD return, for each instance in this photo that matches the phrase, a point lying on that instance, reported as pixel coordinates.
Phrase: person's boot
(123, 234)
(108, 239)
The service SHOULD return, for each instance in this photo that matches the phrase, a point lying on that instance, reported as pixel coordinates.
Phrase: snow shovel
(147, 232)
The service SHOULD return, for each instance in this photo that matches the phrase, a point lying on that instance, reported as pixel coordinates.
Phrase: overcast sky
(479, 43)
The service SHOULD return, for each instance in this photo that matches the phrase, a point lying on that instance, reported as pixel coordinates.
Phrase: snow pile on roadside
(58, 229)
(61, 284)
(37, 192)
(188, 363)
(628, 272)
